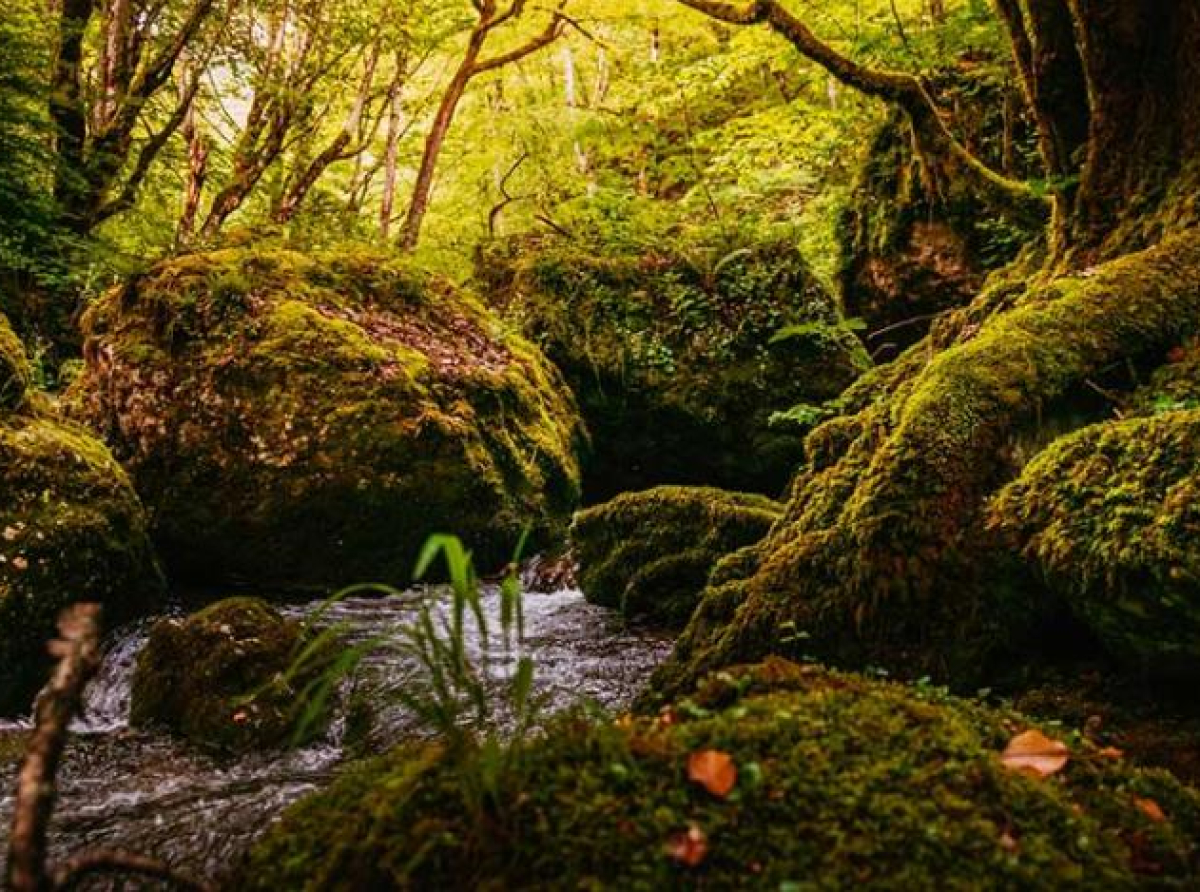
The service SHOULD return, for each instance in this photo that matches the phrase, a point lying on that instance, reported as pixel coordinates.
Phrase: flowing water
(144, 792)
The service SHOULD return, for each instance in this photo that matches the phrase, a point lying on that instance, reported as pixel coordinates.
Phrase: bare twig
(114, 861)
(78, 651)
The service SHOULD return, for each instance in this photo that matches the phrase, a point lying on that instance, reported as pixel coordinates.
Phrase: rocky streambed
(145, 792)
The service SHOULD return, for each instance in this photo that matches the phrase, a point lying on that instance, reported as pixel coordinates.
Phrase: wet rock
(223, 678)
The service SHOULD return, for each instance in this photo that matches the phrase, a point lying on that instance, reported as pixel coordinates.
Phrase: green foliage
(671, 357)
(450, 679)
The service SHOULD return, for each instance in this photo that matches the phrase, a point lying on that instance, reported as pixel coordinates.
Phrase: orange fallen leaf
(1150, 809)
(1111, 752)
(1032, 752)
(689, 846)
(714, 770)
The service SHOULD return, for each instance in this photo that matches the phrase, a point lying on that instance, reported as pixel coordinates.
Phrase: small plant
(450, 693)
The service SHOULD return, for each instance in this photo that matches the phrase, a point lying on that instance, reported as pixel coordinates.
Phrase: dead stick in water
(77, 650)
(116, 861)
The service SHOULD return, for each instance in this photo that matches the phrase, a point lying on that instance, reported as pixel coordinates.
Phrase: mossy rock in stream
(71, 529)
(841, 782)
(296, 419)
(1111, 514)
(675, 359)
(218, 678)
(649, 554)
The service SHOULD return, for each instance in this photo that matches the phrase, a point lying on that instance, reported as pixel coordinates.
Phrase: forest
(588, 444)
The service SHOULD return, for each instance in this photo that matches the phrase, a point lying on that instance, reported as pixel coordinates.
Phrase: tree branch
(78, 651)
(1012, 198)
(552, 32)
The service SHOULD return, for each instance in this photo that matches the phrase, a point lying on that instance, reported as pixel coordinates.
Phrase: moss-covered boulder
(220, 678)
(838, 782)
(312, 419)
(1111, 514)
(649, 553)
(679, 362)
(71, 529)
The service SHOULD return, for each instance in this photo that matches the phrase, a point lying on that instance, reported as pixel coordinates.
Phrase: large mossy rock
(1111, 514)
(220, 678)
(71, 529)
(884, 556)
(676, 361)
(915, 243)
(649, 554)
(312, 419)
(841, 782)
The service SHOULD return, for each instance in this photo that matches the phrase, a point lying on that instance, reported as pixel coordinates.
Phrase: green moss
(649, 554)
(883, 556)
(303, 419)
(841, 782)
(16, 377)
(1174, 385)
(12, 748)
(672, 358)
(71, 529)
(916, 240)
(1111, 514)
(217, 678)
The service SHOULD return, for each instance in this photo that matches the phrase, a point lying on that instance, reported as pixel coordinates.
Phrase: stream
(145, 792)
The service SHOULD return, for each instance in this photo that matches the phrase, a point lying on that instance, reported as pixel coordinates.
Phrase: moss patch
(16, 377)
(649, 554)
(1111, 514)
(217, 678)
(672, 358)
(842, 782)
(298, 419)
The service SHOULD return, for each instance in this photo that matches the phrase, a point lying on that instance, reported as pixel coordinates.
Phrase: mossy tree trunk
(883, 555)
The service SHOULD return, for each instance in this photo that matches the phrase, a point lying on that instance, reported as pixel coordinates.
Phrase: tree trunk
(391, 165)
(470, 66)
(68, 113)
(197, 176)
(885, 557)
(418, 205)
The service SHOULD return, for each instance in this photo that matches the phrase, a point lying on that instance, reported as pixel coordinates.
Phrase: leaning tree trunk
(883, 556)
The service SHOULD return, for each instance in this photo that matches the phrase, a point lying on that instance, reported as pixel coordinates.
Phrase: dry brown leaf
(1034, 753)
(689, 846)
(1150, 809)
(714, 770)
